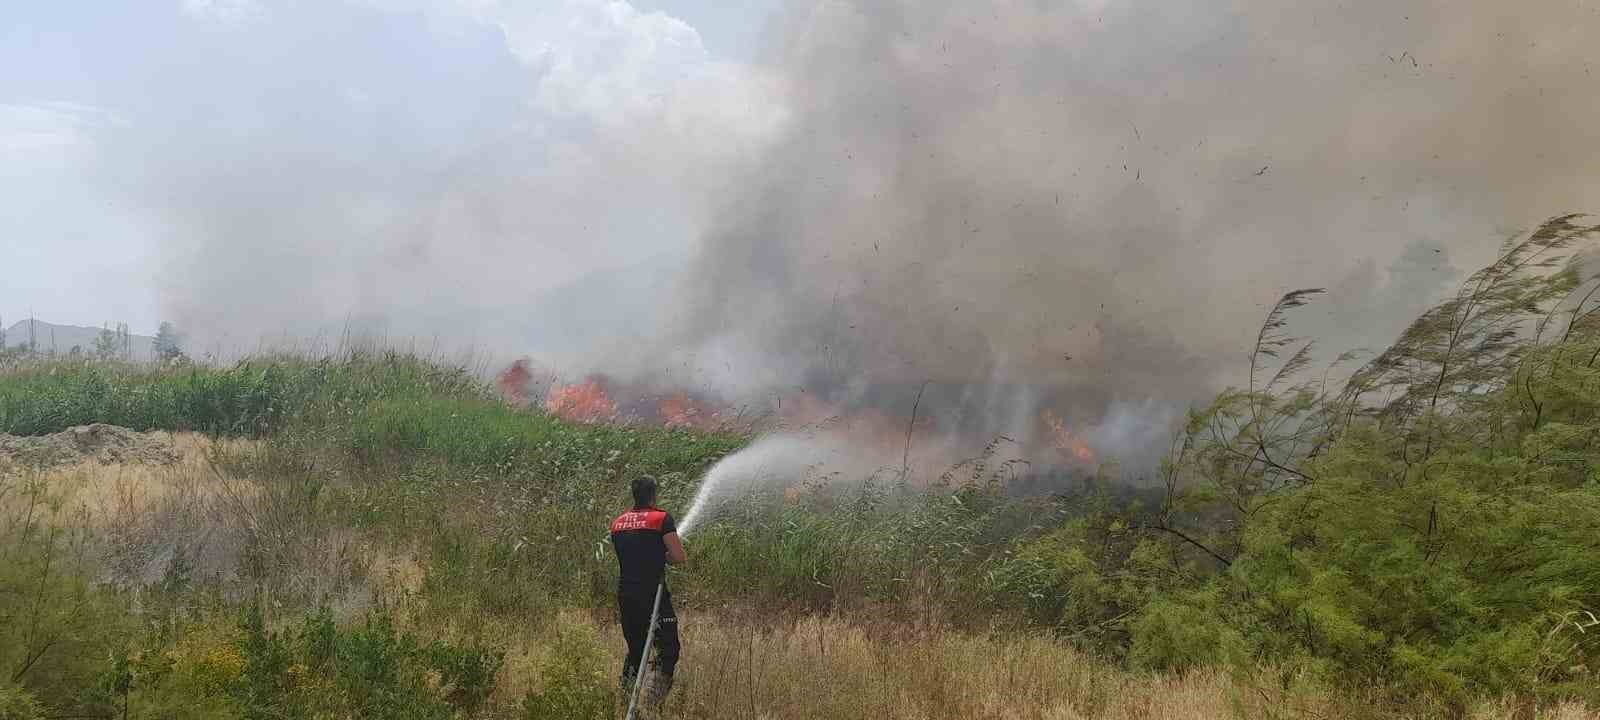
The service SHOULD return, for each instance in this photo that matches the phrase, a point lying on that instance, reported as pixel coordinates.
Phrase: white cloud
(46, 127)
(606, 62)
(229, 12)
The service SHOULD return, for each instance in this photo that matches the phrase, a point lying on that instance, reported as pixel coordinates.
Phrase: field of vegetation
(378, 535)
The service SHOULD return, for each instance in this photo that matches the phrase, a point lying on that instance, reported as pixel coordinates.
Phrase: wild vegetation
(1414, 533)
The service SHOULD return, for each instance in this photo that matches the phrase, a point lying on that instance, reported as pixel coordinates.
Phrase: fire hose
(644, 655)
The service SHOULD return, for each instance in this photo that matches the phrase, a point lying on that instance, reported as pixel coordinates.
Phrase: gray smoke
(1013, 207)
(1091, 205)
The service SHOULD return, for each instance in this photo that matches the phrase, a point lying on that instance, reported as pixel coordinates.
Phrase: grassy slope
(384, 535)
(394, 642)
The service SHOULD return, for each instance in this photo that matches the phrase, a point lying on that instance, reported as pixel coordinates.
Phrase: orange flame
(585, 402)
(1062, 439)
(513, 382)
(680, 410)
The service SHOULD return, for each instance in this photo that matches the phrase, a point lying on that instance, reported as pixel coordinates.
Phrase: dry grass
(151, 518)
(824, 668)
(145, 514)
(1512, 711)
(735, 666)
(124, 491)
(741, 668)
(121, 492)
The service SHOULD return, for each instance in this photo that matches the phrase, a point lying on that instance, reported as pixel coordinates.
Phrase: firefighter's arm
(675, 553)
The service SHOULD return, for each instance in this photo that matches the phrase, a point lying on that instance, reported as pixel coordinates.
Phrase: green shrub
(468, 673)
(574, 682)
(18, 704)
(369, 670)
(57, 625)
(1180, 634)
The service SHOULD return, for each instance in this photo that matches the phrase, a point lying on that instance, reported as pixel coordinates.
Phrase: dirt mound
(106, 444)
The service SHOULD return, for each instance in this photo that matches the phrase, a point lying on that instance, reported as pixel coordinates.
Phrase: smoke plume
(1089, 206)
(1010, 210)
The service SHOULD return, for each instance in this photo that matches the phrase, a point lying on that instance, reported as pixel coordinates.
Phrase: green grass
(504, 511)
(375, 409)
(254, 397)
(1423, 538)
(472, 433)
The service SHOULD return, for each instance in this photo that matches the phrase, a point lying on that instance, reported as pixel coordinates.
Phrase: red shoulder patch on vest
(648, 520)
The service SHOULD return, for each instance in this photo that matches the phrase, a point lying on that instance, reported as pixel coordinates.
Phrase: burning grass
(584, 402)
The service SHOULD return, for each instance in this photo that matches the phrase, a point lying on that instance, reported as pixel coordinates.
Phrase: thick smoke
(1010, 207)
(1090, 206)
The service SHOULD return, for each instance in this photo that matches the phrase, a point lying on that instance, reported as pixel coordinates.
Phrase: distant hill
(64, 337)
(608, 310)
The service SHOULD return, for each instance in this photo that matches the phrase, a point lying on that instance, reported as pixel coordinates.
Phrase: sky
(121, 121)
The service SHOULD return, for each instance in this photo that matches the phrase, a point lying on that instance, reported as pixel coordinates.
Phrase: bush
(1180, 634)
(56, 623)
(369, 670)
(18, 704)
(574, 682)
(467, 673)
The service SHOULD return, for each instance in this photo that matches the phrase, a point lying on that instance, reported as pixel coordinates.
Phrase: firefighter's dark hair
(644, 490)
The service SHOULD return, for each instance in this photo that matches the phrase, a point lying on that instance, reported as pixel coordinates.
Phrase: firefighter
(646, 540)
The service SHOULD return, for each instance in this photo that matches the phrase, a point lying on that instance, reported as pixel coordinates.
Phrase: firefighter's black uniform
(638, 537)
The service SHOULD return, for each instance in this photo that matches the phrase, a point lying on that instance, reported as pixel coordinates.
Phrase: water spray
(751, 464)
(702, 496)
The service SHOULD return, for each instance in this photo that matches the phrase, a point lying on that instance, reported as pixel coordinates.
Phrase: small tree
(165, 344)
(105, 344)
